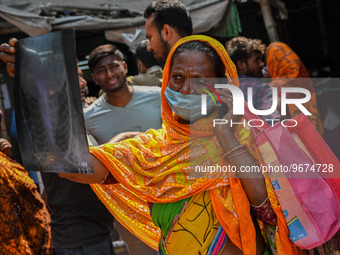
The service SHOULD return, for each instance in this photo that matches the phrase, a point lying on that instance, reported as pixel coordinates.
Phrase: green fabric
(229, 26)
(270, 237)
(163, 214)
(267, 251)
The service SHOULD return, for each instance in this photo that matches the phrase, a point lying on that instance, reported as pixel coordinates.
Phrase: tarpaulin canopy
(122, 20)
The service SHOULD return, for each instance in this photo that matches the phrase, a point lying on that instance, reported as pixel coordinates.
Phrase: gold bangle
(258, 206)
(104, 179)
(236, 154)
(232, 150)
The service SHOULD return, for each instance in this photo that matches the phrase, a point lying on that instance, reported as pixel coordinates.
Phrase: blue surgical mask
(187, 107)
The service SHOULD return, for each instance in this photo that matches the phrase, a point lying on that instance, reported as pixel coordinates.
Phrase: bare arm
(252, 183)
(100, 172)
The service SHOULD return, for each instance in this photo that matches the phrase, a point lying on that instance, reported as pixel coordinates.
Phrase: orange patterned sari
(158, 167)
(287, 70)
(24, 223)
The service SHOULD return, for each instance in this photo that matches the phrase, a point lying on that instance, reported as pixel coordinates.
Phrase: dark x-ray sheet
(48, 109)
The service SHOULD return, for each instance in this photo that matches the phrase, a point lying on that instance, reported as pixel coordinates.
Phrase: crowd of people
(144, 144)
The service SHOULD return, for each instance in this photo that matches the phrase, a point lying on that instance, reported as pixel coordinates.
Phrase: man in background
(247, 55)
(166, 23)
(122, 108)
(150, 72)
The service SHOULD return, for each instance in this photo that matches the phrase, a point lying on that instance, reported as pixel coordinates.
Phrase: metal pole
(268, 19)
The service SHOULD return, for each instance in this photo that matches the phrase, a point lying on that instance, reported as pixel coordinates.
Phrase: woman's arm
(100, 173)
(100, 170)
(252, 183)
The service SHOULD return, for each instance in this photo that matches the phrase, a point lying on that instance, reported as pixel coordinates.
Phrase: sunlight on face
(190, 71)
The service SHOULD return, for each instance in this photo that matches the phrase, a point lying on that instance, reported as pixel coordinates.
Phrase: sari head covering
(287, 70)
(282, 62)
(158, 167)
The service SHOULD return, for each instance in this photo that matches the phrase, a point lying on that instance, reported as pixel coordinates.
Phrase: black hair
(147, 57)
(103, 51)
(240, 48)
(172, 13)
(209, 51)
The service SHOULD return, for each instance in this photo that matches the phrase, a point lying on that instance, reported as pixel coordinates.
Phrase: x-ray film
(48, 107)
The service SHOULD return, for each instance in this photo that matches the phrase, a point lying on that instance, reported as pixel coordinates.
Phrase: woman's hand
(5, 147)
(125, 135)
(225, 131)
(89, 101)
(239, 156)
(7, 55)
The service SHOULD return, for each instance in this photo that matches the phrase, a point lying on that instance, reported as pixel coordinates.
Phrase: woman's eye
(177, 77)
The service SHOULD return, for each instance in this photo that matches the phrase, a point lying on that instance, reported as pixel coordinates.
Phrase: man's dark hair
(240, 48)
(172, 13)
(147, 57)
(103, 51)
(206, 49)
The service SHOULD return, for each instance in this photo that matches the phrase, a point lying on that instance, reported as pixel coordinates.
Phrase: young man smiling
(122, 108)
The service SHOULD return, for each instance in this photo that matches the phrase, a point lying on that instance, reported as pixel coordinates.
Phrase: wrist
(228, 142)
(236, 151)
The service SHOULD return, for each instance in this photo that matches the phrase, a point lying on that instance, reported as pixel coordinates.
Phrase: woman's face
(188, 65)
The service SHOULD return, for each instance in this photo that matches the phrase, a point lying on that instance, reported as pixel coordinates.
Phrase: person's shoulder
(147, 79)
(94, 106)
(149, 94)
(147, 89)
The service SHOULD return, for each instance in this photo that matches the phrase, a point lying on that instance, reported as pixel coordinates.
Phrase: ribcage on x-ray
(49, 121)
(62, 130)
